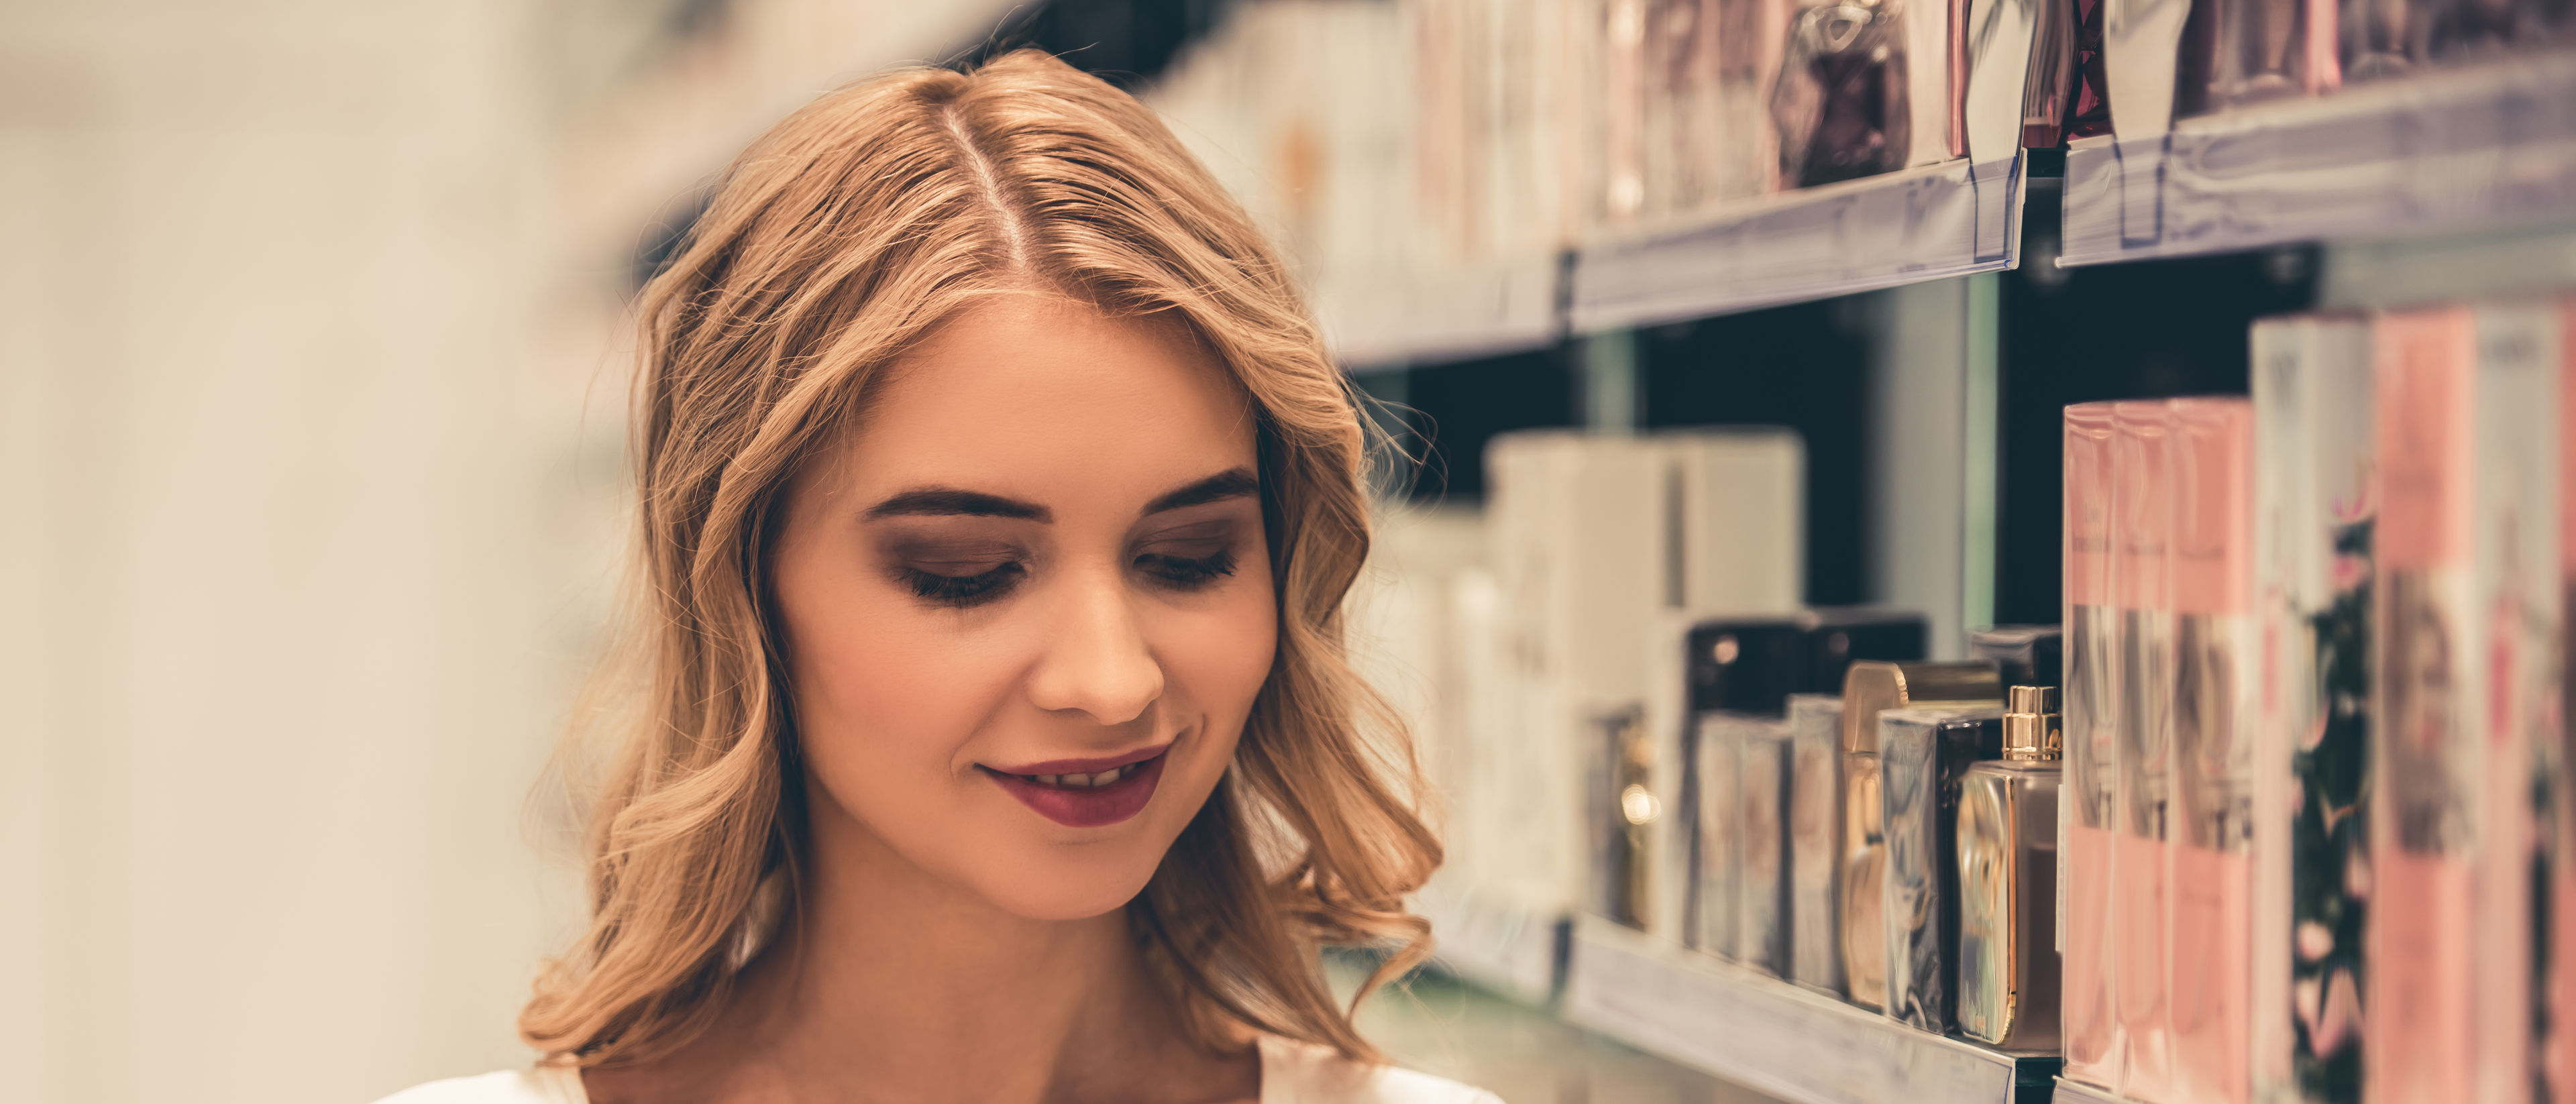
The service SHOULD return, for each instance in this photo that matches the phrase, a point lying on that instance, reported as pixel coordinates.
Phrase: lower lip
(1087, 808)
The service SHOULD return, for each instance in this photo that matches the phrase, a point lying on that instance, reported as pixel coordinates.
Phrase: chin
(1063, 890)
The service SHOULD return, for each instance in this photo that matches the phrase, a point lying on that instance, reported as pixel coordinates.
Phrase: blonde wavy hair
(835, 241)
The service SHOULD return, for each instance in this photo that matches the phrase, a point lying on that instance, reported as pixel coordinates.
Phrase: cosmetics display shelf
(1924, 223)
(1482, 311)
(1774, 1037)
(1497, 943)
(2441, 152)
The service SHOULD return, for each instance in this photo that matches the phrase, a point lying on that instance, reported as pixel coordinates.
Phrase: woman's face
(1028, 604)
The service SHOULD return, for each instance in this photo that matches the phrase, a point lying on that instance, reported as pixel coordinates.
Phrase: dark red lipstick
(1072, 792)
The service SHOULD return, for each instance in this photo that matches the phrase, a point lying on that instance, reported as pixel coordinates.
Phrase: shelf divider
(2437, 152)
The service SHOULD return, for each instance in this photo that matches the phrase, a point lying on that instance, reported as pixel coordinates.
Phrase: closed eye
(962, 591)
(1187, 573)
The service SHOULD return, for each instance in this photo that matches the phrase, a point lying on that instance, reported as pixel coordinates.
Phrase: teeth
(1084, 781)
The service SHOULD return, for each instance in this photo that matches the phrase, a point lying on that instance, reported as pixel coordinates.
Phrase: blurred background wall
(310, 474)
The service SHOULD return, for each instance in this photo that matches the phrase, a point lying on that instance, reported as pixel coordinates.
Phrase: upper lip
(1085, 766)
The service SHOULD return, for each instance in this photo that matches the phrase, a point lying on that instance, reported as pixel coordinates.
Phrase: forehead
(1047, 398)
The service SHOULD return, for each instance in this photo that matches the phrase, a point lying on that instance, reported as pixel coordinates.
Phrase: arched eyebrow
(1230, 483)
(951, 502)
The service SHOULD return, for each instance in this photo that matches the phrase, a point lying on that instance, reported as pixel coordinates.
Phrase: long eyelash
(1189, 574)
(962, 590)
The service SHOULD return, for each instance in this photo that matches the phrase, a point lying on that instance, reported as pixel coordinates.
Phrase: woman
(991, 734)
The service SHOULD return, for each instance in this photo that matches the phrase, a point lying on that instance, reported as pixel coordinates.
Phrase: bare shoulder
(542, 1085)
(1296, 1073)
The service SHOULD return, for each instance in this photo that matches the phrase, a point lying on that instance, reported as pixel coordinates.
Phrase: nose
(1097, 662)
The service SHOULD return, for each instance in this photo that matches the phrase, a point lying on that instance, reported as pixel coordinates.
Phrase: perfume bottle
(1871, 688)
(1841, 101)
(1738, 669)
(2023, 655)
(1745, 664)
(1815, 842)
(1839, 636)
(1762, 886)
(1922, 754)
(2049, 79)
(1751, 37)
(2007, 833)
(1623, 807)
(2264, 51)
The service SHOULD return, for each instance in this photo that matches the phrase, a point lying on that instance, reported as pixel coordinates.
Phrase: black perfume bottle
(1747, 665)
(2023, 655)
(1839, 636)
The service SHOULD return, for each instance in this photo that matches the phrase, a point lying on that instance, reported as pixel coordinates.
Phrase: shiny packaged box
(1922, 755)
(1718, 842)
(1815, 842)
(1762, 885)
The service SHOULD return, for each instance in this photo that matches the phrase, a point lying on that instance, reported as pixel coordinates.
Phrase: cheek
(1223, 655)
(1215, 661)
(886, 695)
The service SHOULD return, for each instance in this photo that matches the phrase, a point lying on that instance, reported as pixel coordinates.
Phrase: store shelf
(1495, 942)
(2439, 152)
(1921, 224)
(1774, 1037)
(1480, 312)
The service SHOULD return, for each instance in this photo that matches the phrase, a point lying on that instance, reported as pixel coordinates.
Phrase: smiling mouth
(1090, 781)
(1085, 793)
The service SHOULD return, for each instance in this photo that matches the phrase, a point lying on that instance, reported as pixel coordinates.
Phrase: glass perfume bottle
(1622, 809)
(2025, 655)
(1841, 102)
(1869, 689)
(2008, 960)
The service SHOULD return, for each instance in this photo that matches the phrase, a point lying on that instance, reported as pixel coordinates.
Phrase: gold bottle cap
(2031, 730)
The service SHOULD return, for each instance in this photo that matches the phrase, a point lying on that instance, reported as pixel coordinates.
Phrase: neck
(888, 982)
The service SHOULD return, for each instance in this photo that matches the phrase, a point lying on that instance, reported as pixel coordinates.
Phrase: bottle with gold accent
(2008, 960)
(1624, 808)
(1871, 688)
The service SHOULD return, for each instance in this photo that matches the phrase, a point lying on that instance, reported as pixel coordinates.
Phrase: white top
(1291, 1073)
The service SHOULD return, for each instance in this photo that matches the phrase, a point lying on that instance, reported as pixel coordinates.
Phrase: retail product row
(1460, 177)
(2304, 712)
